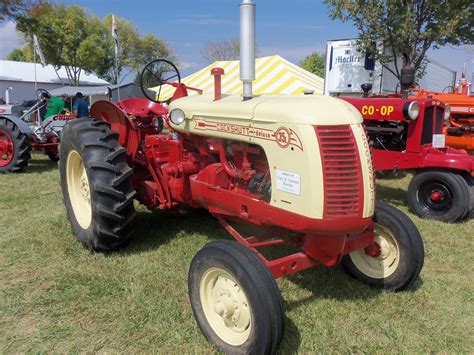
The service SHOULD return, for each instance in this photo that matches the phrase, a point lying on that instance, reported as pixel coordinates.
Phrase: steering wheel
(450, 89)
(155, 74)
(43, 94)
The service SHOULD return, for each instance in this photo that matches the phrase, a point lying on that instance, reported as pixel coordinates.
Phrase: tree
(314, 63)
(227, 49)
(20, 55)
(406, 28)
(77, 40)
(11, 9)
(68, 37)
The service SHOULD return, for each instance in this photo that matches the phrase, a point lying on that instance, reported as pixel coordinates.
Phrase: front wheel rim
(7, 150)
(435, 197)
(385, 262)
(225, 306)
(78, 189)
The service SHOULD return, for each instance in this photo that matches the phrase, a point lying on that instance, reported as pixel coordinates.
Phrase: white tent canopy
(274, 75)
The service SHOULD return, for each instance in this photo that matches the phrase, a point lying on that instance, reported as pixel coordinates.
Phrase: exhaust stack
(247, 46)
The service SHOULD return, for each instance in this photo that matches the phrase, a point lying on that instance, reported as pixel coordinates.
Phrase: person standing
(80, 107)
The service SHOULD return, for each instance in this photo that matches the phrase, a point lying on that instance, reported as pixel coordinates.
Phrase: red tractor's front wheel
(395, 259)
(440, 195)
(96, 185)
(235, 300)
(14, 147)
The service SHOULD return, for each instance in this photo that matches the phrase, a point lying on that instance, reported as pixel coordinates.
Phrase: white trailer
(347, 69)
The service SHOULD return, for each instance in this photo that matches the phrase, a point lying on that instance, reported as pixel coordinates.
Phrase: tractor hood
(304, 109)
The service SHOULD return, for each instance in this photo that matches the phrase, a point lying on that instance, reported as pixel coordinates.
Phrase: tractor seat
(141, 107)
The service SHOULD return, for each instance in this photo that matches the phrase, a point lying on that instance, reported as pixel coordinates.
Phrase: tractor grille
(342, 174)
(433, 114)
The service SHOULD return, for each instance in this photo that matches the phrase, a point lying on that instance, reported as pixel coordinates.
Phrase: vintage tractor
(460, 129)
(298, 168)
(407, 134)
(28, 131)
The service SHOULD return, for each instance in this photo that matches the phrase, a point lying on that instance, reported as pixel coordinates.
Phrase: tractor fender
(120, 122)
(447, 158)
(22, 125)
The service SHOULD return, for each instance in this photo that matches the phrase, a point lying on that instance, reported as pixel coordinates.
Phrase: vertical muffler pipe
(247, 47)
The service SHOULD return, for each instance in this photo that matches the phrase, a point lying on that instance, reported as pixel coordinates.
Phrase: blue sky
(292, 29)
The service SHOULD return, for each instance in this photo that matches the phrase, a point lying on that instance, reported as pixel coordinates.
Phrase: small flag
(115, 36)
(38, 51)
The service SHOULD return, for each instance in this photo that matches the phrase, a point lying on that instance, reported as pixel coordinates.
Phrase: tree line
(70, 36)
(76, 39)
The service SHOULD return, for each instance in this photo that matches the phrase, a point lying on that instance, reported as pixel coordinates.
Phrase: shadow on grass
(36, 166)
(388, 174)
(391, 195)
(157, 228)
(291, 338)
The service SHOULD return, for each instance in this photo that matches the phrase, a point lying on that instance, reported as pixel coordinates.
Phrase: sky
(292, 29)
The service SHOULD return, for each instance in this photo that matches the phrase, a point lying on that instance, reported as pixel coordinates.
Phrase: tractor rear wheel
(235, 300)
(395, 259)
(14, 147)
(96, 185)
(440, 195)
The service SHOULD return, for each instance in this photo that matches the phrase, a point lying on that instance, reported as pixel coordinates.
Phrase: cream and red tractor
(298, 168)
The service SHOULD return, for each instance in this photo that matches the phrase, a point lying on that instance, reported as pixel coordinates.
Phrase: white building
(20, 76)
(347, 69)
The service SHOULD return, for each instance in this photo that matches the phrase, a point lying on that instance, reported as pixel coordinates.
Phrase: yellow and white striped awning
(274, 75)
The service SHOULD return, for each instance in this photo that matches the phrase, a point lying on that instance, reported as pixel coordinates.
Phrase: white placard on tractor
(288, 182)
(439, 141)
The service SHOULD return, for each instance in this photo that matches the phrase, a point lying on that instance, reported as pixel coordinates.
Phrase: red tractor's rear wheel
(235, 300)
(14, 147)
(96, 185)
(395, 259)
(441, 195)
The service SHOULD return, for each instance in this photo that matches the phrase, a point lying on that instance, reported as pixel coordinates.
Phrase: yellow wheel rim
(384, 264)
(78, 189)
(225, 306)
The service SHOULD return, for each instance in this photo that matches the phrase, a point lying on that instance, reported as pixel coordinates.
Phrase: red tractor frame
(407, 134)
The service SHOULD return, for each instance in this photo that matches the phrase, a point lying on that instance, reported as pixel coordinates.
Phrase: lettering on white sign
(288, 182)
(439, 141)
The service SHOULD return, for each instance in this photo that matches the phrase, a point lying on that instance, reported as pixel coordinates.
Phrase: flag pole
(34, 60)
(116, 51)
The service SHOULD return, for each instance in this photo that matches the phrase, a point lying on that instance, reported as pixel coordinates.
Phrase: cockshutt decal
(283, 136)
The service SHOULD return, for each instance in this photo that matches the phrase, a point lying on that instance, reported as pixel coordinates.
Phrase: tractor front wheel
(235, 300)
(96, 185)
(440, 195)
(395, 259)
(14, 147)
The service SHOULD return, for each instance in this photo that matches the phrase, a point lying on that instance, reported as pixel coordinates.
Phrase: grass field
(58, 297)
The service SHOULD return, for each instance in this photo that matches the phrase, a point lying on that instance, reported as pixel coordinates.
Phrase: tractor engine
(387, 135)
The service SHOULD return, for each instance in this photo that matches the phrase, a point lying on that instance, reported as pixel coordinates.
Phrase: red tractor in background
(460, 129)
(298, 169)
(19, 134)
(407, 134)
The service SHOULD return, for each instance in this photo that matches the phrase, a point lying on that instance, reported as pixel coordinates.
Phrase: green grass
(58, 297)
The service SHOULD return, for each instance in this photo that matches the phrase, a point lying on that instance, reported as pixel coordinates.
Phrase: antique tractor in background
(299, 169)
(459, 130)
(407, 134)
(29, 131)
